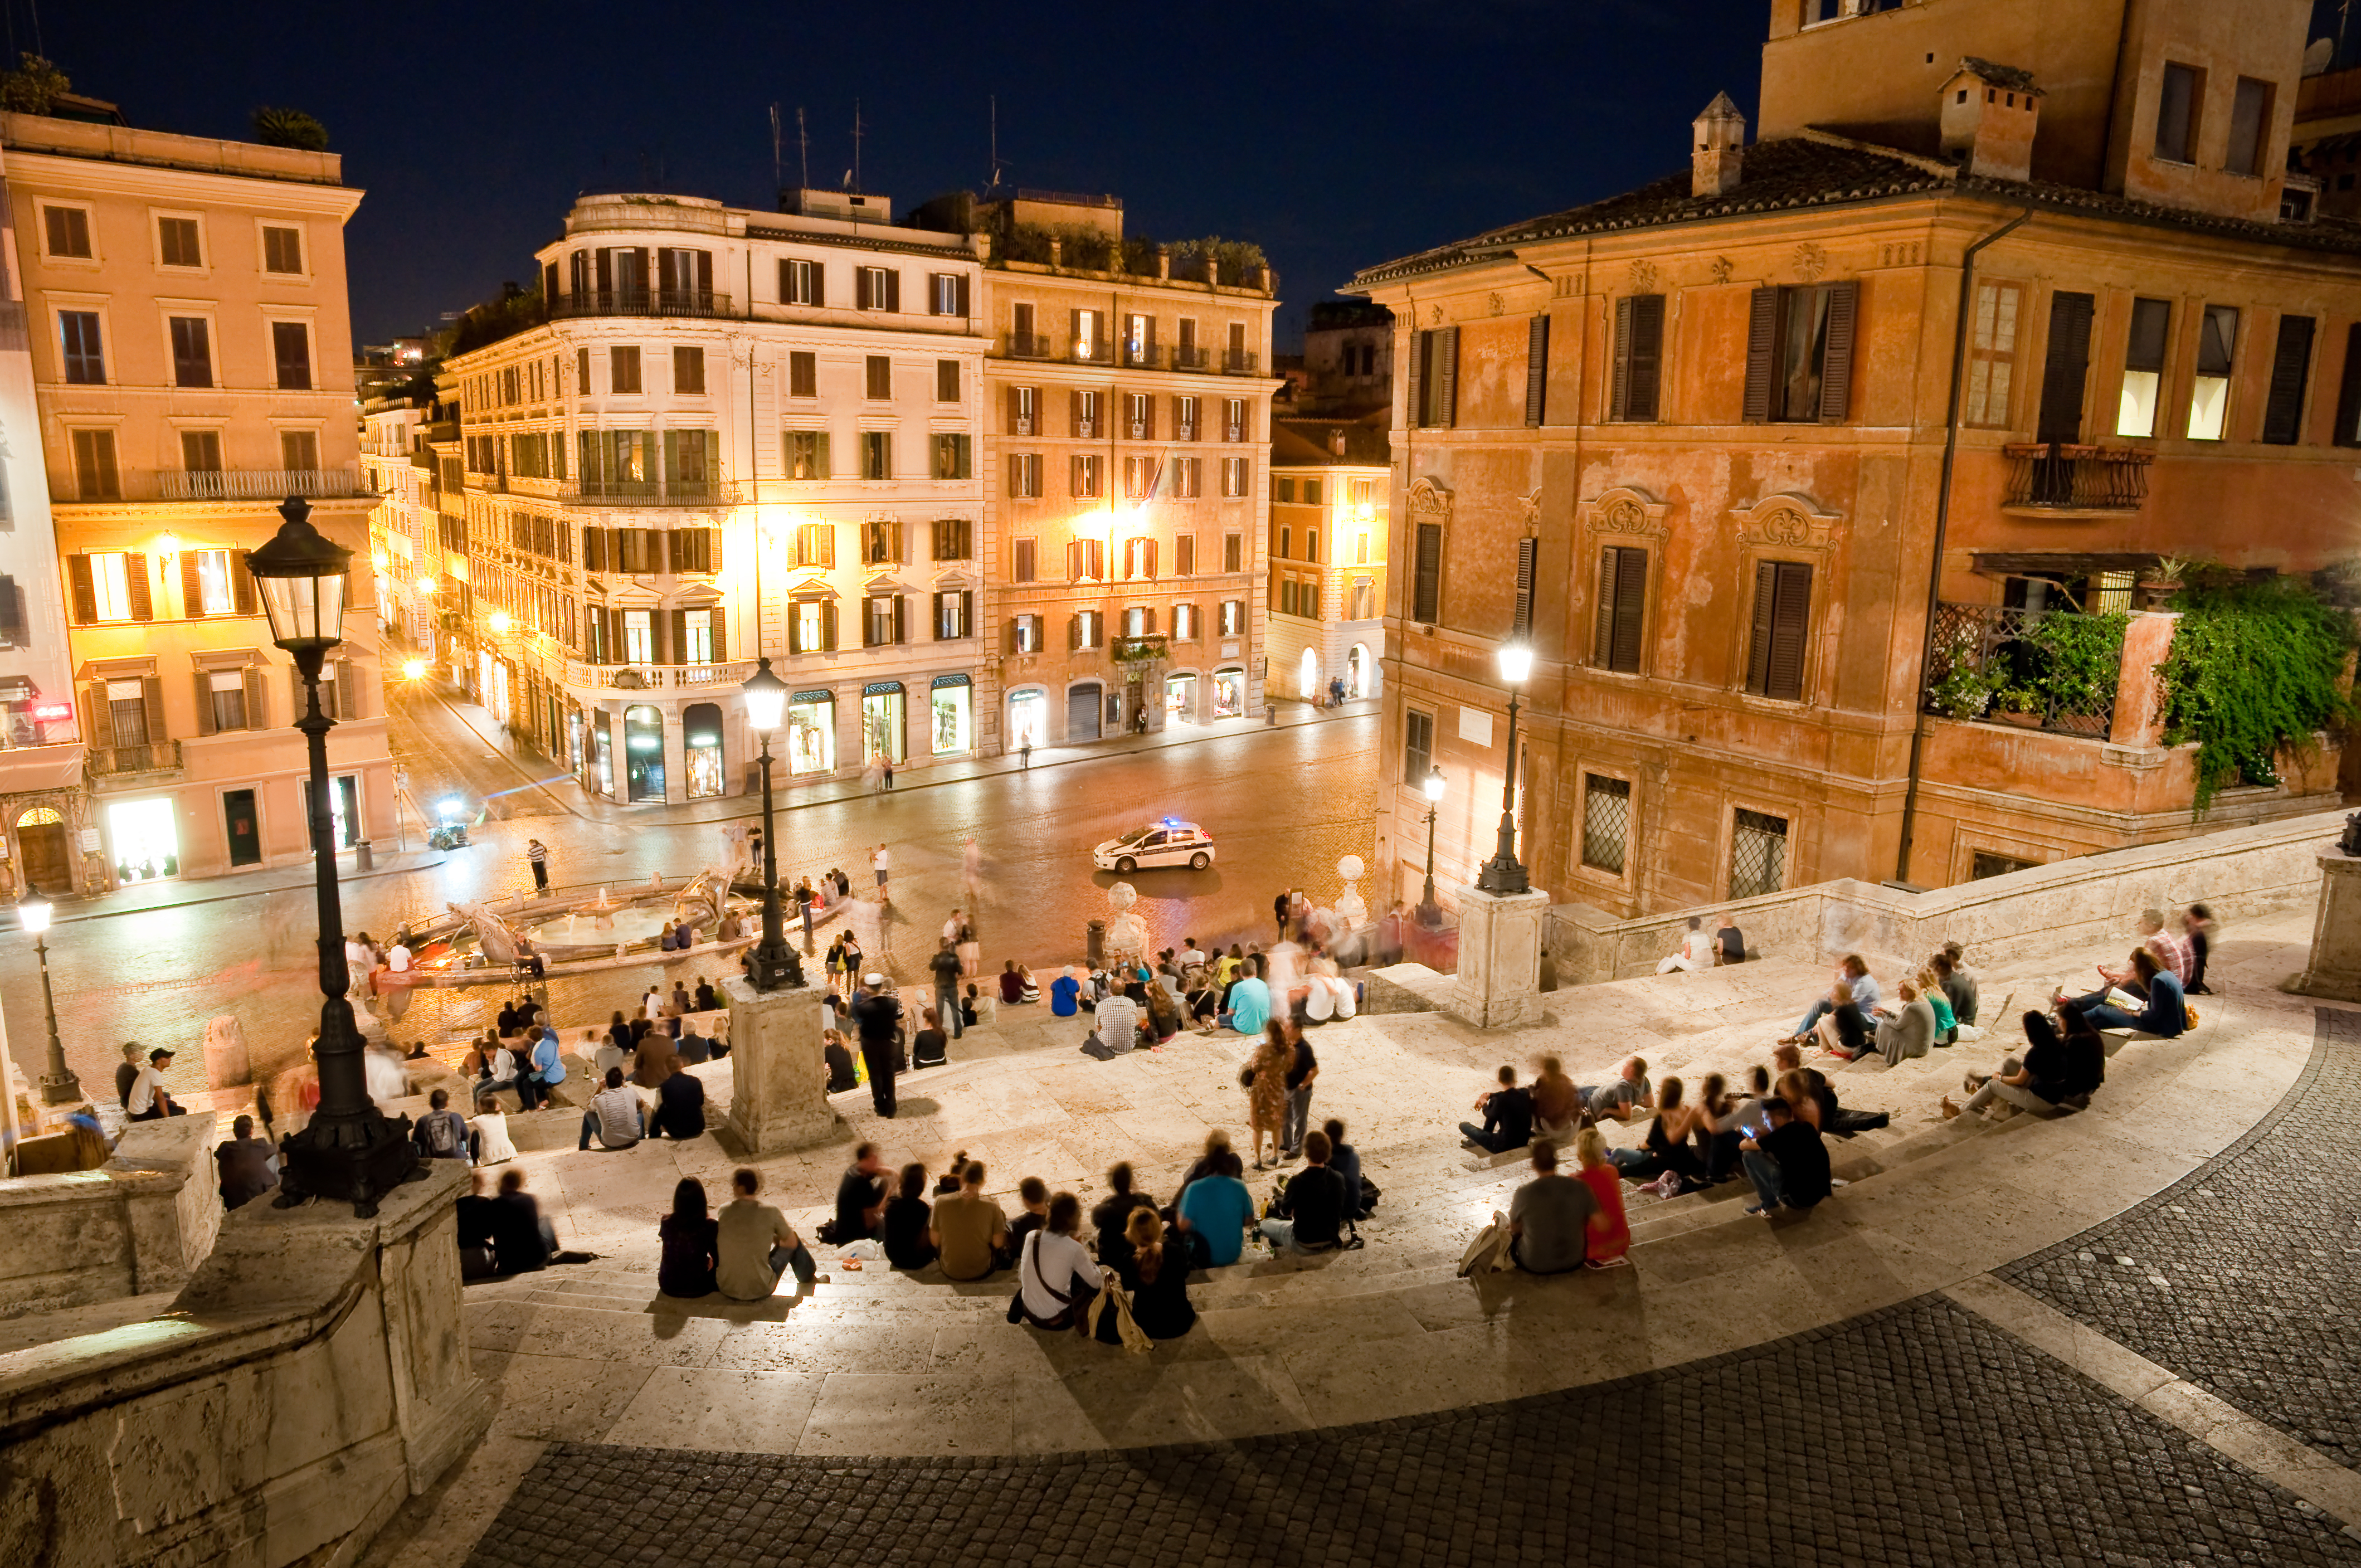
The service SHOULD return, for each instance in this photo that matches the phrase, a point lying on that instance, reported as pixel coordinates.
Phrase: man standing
(244, 1165)
(538, 853)
(880, 863)
(1300, 1074)
(1278, 914)
(1025, 751)
(945, 966)
(877, 1015)
(148, 1103)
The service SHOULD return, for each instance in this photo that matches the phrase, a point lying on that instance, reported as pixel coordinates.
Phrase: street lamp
(775, 964)
(1501, 875)
(348, 1151)
(1430, 913)
(59, 1085)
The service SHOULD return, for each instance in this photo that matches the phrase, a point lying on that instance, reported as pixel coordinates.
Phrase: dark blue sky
(1337, 133)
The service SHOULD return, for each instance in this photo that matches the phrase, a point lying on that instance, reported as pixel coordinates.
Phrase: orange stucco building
(1789, 464)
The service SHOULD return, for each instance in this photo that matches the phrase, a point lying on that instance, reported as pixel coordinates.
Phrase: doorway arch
(44, 850)
(644, 758)
(1307, 675)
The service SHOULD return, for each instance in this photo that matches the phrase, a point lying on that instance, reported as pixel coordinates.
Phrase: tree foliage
(33, 87)
(290, 127)
(2256, 669)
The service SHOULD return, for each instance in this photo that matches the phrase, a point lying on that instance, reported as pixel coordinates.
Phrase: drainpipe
(1942, 528)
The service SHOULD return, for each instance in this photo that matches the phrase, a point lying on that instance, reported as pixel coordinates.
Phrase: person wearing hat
(878, 1017)
(127, 1073)
(148, 1103)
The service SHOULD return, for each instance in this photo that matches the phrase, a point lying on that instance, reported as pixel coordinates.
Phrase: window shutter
(1836, 364)
(721, 635)
(1618, 397)
(1073, 633)
(615, 644)
(1008, 636)
(940, 597)
(1758, 644)
(256, 717)
(85, 594)
(1536, 369)
(795, 632)
(1790, 617)
(2347, 433)
(241, 583)
(134, 577)
(1602, 642)
(818, 284)
(1647, 356)
(348, 691)
(2290, 364)
(673, 552)
(1762, 343)
(893, 289)
(594, 549)
(967, 597)
(1527, 551)
(192, 591)
(1419, 342)
(1449, 344)
(95, 715)
(1631, 607)
(861, 288)
(679, 638)
(1075, 411)
(204, 679)
(1426, 596)
(820, 470)
(901, 623)
(2065, 365)
(152, 689)
(962, 289)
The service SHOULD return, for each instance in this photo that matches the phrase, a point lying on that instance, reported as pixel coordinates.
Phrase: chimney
(1721, 149)
(1988, 115)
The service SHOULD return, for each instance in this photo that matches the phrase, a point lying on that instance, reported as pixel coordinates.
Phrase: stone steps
(70, 1323)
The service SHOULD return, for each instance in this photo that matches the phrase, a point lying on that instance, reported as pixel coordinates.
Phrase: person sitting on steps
(1789, 1164)
(2063, 1065)
(2164, 1013)
(1550, 1216)
(1508, 1117)
(1853, 971)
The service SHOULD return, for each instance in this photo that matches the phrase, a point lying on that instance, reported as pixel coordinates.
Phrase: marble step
(70, 1323)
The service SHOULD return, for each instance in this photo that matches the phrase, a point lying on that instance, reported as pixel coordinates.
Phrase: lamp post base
(1499, 985)
(354, 1159)
(66, 1091)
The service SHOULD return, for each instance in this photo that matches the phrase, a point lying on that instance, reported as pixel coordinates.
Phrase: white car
(1170, 842)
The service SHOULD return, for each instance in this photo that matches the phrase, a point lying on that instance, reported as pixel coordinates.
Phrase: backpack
(440, 1138)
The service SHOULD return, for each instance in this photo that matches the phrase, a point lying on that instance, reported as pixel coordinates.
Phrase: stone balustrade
(140, 1224)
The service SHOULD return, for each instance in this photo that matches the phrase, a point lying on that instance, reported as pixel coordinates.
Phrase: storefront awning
(27, 769)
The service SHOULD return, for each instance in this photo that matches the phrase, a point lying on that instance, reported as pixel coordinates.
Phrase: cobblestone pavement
(1920, 1435)
(2245, 1277)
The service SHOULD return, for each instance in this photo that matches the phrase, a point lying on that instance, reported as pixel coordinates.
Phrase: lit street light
(1501, 875)
(1430, 913)
(59, 1085)
(775, 965)
(349, 1150)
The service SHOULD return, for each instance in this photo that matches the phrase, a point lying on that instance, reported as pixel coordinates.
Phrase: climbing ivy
(2256, 669)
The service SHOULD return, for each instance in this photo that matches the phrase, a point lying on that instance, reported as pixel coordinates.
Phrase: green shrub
(2256, 669)
(290, 127)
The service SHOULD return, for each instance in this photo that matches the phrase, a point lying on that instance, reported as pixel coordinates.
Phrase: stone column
(778, 1075)
(2334, 970)
(2139, 695)
(1500, 979)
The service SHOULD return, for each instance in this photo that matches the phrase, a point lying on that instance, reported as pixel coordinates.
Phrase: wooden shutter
(1647, 366)
(594, 549)
(827, 626)
(1761, 354)
(348, 691)
(1602, 642)
(1449, 344)
(2348, 431)
(192, 590)
(679, 638)
(861, 288)
(1631, 607)
(1758, 641)
(2290, 369)
(2065, 366)
(615, 643)
(818, 284)
(721, 635)
(901, 610)
(1073, 412)
(152, 689)
(893, 289)
(1619, 395)
(1836, 364)
(134, 577)
(960, 287)
(241, 583)
(1527, 551)
(205, 702)
(967, 595)
(85, 593)
(1782, 602)
(256, 714)
(1419, 346)
(795, 632)
(1426, 592)
(96, 725)
(1536, 369)
(1073, 633)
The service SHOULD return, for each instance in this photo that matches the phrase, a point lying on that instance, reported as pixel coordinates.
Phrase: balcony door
(2065, 368)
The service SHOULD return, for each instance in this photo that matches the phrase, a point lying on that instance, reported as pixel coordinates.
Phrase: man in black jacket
(1508, 1117)
(1309, 1216)
(1788, 1165)
(878, 1017)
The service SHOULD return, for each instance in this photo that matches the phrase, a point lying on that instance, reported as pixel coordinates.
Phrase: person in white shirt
(615, 1114)
(1055, 1273)
(1696, 950)
(1191, 958)
(488, 1134)
(149, 1102)
(397, 957)
(880, 863)
(1118, 1022)
(651, 1006)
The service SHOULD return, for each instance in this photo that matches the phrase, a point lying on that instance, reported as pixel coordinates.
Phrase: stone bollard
(226, 1062)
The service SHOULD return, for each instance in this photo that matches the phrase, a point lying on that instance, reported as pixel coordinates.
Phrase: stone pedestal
(2335, 967)
(778, 1075)
(1499, 983)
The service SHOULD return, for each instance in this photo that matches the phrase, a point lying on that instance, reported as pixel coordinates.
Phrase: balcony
(653, 492)
(1138, 649)
(657, 677)
(2059, 479)
(2052, 670)
(692, 302)
(122, 762)
(1086, 428)
(1094, 352)
(1189, 357)
(1239, 362)
(216, 485)
(1143, 356)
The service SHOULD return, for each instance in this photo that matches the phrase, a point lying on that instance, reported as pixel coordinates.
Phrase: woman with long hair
(1155, 1270)
(1265, 1081)
(1610, 1231)
(689, 1234)
(1664, 1157)
(908, 1216)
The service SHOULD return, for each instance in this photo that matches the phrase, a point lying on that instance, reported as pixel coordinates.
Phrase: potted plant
(2020, 706)
(1965, 691)
(2159, 585)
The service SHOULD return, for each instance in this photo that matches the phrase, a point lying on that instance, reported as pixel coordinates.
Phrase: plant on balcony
(2081, 664)
(1238, 258)
(1965, 688)
(2018, 705)
(2256, 669)
(33, 86)
(290, 127)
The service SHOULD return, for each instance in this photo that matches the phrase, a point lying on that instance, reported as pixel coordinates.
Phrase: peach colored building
(2000, 315)
(1327, 542)
(192, 360)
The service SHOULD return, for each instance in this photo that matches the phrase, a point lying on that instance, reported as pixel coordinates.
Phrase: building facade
(1772, 461)
(731, 434)
(1330, 501)
(191, 357)
(404, 550)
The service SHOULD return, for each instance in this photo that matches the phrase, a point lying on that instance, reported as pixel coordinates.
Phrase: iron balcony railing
(2053, 670)
(654, 492)
(1024, 345)
(153, 757)
(640, 302)
(2060, 477)
(1189, 357)
(1143, 356)
(1239, 362)
(1094, 352)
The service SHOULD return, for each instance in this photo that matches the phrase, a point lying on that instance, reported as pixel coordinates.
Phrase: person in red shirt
(1610, 1231)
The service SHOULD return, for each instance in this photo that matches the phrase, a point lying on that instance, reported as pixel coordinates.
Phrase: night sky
(1335, 134)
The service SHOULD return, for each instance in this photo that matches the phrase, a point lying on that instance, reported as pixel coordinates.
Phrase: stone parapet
(2334, 970)
(778, 1097)
(140, 1224)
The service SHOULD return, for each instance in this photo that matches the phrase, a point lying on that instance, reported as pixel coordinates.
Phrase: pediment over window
(1625, 509)
(1787, 521)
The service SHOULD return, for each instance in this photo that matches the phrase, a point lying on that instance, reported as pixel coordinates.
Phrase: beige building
(404, 549)
(191, 353)
(1329, 481)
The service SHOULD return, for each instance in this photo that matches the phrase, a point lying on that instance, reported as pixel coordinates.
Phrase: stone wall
(142, 1223)
(313, 1376)
(2022, 915)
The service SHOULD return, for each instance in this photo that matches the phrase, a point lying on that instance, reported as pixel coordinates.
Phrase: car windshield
(1133, 837)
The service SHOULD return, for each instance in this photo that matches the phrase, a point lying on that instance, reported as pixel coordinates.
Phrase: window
(954, 538)
(200, 451)
(639, 638)
(1434, 376)
(1184, 419)
(282, 249)
(803, 374)
(1233, 419)
(1991, 357)
(953, 611)
(1234, 475)
(816, 544)
(2065, 368)
(1021, 338)
(1025, 633)
(1085, 560)
(1606, 822)
(1188, 477)
(1364, 598)
(953, 458)
(1023, 557)
(193, 351)
(1138, 339)
(110, 584)
(85, 361)
(176, 242)
(1311, 493)
(2143, 367)
(582, 372)
(1233, 617)
(1783, 604)
(1311, 544)
(2250, 124)
(1138, 558)
(1758, 854)
(947, 381)
(1184, 555)
(94, 474)
(1286, 543)
(806, 454)
(811, 627)
(687, 369)
(291, 351)
(2176, 113)
(1088, 475)
(1086, 630)
(877, 289)
(880, 542)
(1537, 367)
(1234, 550)
(1025, 476)
(1426, 576)
(876, 454)
(696, 637)
(880, 386)
(1185, 623)
(1023, 411)
(127, 714)
(225, 693)
(948, 294)
(1799, 353)
(624, 368)
(1361, 549)
(1090, 335)
(1139, 620)
(1086, 413)
(2208, 391)
(802, 283)
(2291, 374)
(1138, 478)
(1987, 864)
(299, 451)
(215, 594)
(1282, 491)
(1418, 747)
(1622, 609)
(69, 231)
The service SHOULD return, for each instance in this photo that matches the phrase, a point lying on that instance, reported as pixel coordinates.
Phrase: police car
(1170, 842)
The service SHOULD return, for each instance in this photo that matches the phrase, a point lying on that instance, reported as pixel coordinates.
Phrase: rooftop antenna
(774, 146)
(803, 145)
(994, 182)
(856, 144)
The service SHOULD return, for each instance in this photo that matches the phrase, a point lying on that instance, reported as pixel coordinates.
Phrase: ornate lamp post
(1501, 875)
(59, 1085)
(1430, 913)
(775, 964)
(349, 1151)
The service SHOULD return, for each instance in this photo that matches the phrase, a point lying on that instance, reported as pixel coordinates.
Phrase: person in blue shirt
(548, 1067)
(1062, 992)
(1249, 999)
(1216, 1208)
(2165, 1014)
